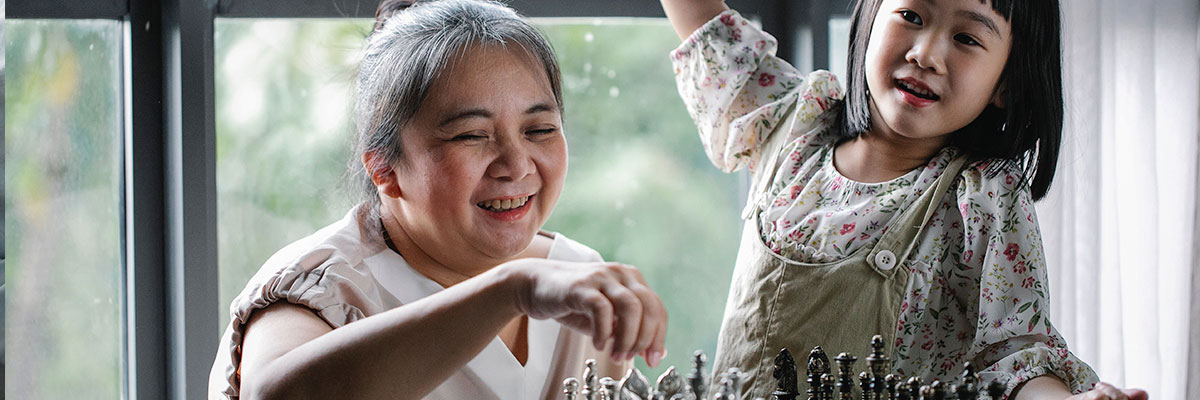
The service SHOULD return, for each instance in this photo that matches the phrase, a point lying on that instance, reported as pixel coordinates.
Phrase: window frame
(169, 222)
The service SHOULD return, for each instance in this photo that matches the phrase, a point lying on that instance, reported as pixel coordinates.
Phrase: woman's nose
(513, 160)
(927, 54)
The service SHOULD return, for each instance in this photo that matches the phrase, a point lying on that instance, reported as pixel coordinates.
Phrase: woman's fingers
(628, 310)
(1136, 394)
(602, 317)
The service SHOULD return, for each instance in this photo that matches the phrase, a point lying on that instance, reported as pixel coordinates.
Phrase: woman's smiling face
(932, 66)
(483, 160)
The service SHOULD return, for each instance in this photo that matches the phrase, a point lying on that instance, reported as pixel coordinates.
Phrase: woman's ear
(998, 96)
(382, 174)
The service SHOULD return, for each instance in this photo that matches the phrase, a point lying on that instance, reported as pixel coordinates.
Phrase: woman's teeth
(504, 205)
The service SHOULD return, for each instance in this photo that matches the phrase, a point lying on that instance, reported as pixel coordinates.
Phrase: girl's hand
(603, 300)
(1104, 391)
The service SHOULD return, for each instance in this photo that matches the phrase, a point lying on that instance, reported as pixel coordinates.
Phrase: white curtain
(1120, 223)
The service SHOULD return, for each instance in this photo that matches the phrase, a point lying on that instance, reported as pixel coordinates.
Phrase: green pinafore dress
(777, 303)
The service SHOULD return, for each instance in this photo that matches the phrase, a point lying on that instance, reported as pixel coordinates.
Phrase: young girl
(904, 208)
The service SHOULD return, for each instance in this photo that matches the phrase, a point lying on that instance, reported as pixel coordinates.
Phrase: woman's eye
(467, 137)
(541, 132)
(912, 17)
(966, 39)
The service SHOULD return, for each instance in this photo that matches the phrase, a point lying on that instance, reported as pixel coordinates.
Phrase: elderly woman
(441, 283)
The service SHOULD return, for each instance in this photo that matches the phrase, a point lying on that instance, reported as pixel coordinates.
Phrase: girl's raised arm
(687, 15)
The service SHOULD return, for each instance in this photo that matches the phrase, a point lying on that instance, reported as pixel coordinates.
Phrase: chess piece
(913, 387)
(696, 383)
(570, 388)
(864, 385)
(818, 364)
(731, 385)
(968, 388)
(785, 377)
(827, 384)
(878, 364)
(845, 384)
(608, 389)
(668, 385)
(996, 390)
(634, 382)
(589, 380)
(935, 391)
(891, 381)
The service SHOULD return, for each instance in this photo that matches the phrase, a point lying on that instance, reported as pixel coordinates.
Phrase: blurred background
(1119, 224)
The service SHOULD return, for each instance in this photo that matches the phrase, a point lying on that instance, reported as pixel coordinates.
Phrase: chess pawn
(891, 381)
(608, 389)
(969, 386)
(589, 380)
(818, 365)
(827, 384)
(570, 388)
(996, 390)
(913, 387)
(696, 383)
(935, 391)
(845, 384)
(784, 373)
(725, 390)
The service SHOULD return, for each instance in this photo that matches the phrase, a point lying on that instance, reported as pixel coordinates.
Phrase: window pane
(839, 46)
(63, 208)
(640, 189)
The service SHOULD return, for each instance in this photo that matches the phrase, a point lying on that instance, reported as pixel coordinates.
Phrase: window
(63, 208)
(640, 189)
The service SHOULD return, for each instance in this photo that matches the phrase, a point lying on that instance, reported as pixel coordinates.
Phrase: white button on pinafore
(885, 260)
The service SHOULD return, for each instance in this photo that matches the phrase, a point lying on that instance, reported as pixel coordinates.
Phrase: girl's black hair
(1027, 132)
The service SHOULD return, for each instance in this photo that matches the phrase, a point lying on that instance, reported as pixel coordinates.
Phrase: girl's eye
(912, 17)
(966, 39)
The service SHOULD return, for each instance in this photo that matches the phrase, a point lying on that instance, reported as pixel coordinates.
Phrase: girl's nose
(927, 54)
(513, 160)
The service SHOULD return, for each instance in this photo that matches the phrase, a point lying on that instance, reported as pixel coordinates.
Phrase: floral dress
(978, 288)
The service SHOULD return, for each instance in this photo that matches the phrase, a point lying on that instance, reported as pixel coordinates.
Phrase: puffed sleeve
(1014, 337)
(737, 91)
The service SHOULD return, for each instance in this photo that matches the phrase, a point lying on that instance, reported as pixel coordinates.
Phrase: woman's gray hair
(404, 58)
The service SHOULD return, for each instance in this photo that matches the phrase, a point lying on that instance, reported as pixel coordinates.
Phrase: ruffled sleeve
(1014, 337)
(737, 91)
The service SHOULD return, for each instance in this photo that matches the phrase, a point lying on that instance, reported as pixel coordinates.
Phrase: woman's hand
(1104, 391)
(603, 300)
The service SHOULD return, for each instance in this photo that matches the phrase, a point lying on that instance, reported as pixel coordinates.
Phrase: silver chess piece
(608, 389)
(589, 380)
(570, 388)
(696, 384)
(634, 383)
(668, 385)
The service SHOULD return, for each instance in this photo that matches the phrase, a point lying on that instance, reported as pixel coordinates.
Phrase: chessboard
(873, 383)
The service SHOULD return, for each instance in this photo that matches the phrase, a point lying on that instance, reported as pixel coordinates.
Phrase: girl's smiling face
(932, 66)
(484, 159)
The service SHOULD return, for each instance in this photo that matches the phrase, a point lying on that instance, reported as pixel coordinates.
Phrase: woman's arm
(1050, 387)
(687, 15)
(289, 352)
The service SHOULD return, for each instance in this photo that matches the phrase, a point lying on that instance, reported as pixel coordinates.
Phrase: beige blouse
(344, 272)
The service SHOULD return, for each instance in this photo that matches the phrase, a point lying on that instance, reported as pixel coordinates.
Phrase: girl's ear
(381, 174)
(998, 96)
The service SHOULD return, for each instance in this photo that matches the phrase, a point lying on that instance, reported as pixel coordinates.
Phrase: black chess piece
(827, 384)
(818, 364)
(845, 384)
(891, 380)
(996, 390)
(696, 379)
(913, 387)
(937, 391)
(878, 364)
(864, 385)
(785, 377)
(968, 388)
